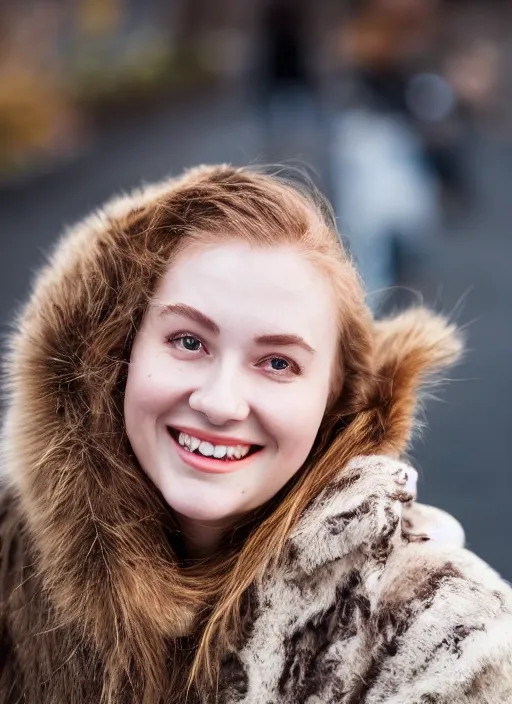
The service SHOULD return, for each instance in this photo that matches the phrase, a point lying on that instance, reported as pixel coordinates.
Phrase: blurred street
(464, 456)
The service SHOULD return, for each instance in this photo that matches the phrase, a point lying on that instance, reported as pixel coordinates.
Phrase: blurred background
(400, 110)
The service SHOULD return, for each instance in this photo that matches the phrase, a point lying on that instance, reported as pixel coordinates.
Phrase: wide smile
(212, 457)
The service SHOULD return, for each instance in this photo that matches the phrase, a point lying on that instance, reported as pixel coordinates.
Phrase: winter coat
(361, 607)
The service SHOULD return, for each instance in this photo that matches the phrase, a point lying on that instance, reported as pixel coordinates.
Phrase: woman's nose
(220, 398)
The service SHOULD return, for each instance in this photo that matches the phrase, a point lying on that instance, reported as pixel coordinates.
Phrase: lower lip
(210, 465)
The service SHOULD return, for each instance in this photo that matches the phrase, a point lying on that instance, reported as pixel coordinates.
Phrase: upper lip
(211, 437)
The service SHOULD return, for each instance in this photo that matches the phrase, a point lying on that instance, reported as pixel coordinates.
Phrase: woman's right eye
(188, 343)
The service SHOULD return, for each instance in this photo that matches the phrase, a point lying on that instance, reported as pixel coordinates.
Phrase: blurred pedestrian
(385, 196)
(394, 48)
(285, 77)
(385, 183)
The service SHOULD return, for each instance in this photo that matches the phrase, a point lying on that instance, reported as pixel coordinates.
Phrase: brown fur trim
(411, 349)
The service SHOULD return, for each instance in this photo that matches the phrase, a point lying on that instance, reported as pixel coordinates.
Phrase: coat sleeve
(492, 685)
(443, 631)
(484, 679)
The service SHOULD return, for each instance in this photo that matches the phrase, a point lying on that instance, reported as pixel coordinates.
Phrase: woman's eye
(188, 343)
(192, 344)
(279, 364)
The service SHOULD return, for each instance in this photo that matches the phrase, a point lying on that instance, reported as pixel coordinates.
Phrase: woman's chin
(206, 512)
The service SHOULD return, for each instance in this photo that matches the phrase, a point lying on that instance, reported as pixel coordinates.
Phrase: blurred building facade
(64, 67)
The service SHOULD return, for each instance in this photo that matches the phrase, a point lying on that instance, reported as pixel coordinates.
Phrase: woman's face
(229, 377)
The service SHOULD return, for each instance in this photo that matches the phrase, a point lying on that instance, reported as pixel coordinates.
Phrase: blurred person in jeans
(386, 186)
(386, 197)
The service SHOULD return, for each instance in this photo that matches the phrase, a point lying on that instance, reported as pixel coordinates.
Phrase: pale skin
(237, 351)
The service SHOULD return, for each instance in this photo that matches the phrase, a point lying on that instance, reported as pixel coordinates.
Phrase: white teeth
(190, 443)
(241, 451)
(184, 441)
(219, 451)
(206, 448)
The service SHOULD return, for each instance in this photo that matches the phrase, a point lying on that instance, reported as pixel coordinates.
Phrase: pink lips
(210, 465)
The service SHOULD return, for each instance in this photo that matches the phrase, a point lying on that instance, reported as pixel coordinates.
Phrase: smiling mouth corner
(208, 450)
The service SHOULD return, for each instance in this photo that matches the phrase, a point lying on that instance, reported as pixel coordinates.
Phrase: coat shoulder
(444, 624)
(379, 612)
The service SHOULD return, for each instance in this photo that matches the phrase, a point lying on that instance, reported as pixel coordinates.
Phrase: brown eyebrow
(279, 340)
(192, 313)
(282, 340)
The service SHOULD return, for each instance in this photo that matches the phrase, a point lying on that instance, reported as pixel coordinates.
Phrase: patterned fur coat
(365, 611)
(362, 608)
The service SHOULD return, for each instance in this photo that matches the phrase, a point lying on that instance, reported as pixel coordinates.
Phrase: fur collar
(96, 522)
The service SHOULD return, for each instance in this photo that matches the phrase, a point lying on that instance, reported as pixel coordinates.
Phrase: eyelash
(172, 339)
(293, 367)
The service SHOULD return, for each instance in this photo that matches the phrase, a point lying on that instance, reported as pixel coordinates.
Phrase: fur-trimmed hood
(96, 524)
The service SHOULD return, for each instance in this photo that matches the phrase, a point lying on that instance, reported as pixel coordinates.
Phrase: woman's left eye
(188, 343)
(281, 366)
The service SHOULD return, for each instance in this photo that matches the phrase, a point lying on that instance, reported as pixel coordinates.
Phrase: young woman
(204, 495)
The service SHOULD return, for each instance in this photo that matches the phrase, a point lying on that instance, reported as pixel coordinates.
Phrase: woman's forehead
(279, 274)
(275, 287)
